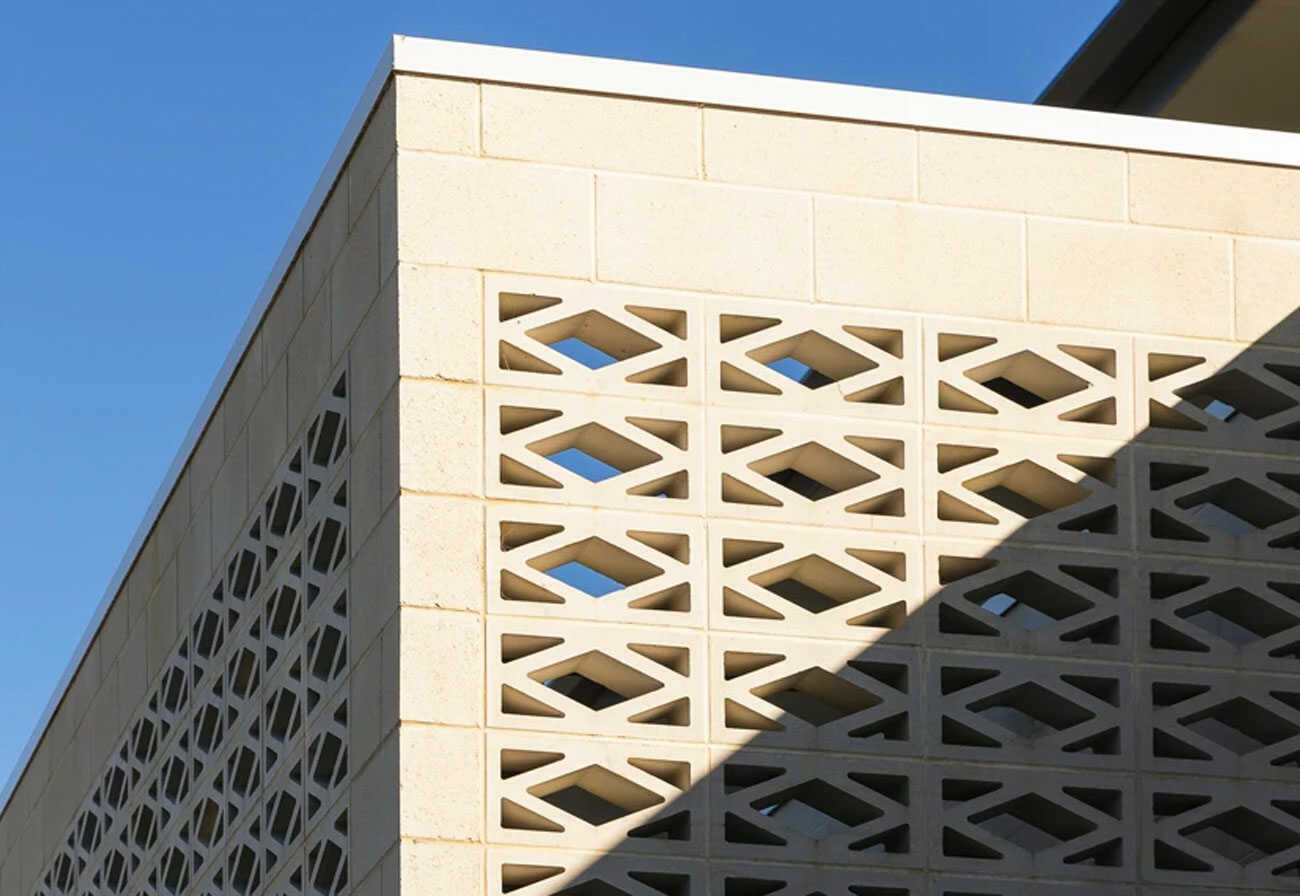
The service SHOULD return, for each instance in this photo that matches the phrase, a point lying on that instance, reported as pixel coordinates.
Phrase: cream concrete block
(268, 434)
(282, 316)
(241, 394)
(375, 802)
(1259, 200)
(442, 868)
(655, 340)
(1028, 378)
(194, 560)
(918, 258)
(442, 783)
(387, 195)
(326, 239)
(642, 778)
(659, 562)
(649, 448)
(206, 460)
(478, 213)
(1267, 295)
(809, 154)
(591, 131)
(981, 484)
(868, 472)
(374, 366)
(1129, 278)
(374, 152)
(703, 236)
(354, 279)
(867, 361)
(162, 621)
(658, 673)
(441, 321)
(309, 362)
(113, 630)
(872, 582)
(442, 553)
(441, 667)
(441, 445)
(366, 489)
(437, 114)
(230, 498)
(171, 525)
(375, 574)
(1021, 175)
(373, 686)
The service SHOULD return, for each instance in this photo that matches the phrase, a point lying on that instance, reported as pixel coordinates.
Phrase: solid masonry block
(1234, 197)
(1021, 175)
(1118, 277)
(601, 340)
(439, 320)
(919, 258)
(707, 237)
(590, 131)
(768, 150)
(1266, 272)
(479, 213)
(437, 114)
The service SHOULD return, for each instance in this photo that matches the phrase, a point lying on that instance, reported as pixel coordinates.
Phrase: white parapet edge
(591, 74)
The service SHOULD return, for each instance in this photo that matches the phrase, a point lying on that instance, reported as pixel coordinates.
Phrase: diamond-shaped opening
(816, 810)
(815, 584)
(595, 567)
(1027, 379)
(1027, 489)
(1232, 396)
(596, 795)
(1028, 600)
(1240, 726)
(1031, 710)
(1033, 823)
(596, 680)
(1237, 507)
(816, 696)
(1237, 616)
(594, 452)
(811, 359)
(813, 471)
(1241, 835)
(593, 339)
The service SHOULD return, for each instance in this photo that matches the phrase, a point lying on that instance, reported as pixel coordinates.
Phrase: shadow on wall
(1107, 696)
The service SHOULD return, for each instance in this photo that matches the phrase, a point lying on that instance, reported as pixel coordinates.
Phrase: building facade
(646, 481)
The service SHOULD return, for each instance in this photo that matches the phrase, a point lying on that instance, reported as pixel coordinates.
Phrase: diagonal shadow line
(1040, 681)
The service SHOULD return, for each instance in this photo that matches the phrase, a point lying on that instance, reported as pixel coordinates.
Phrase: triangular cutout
(517, 703)
(674, 373)
(1100, 412)
(953, 399)
(515, 817)
(736, 604)
(952, 509)
(670, 320)
(737, 326)
(510, 357)
(952, 345)
(673, 432)
(1100, 468)
(735, 438)
(512, 472)
(676, 714)
(745, 719)
(733, 379)
(1101, 359)
(736, 492)
(514, 304)
(1164, 417)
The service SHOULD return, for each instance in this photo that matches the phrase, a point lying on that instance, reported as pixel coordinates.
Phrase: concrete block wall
(1001, 598)
(225, 728)
(934, 533)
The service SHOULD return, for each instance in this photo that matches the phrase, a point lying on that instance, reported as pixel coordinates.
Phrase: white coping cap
(479, 62)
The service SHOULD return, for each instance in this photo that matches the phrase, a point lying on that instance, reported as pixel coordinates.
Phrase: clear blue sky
(154, 155)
